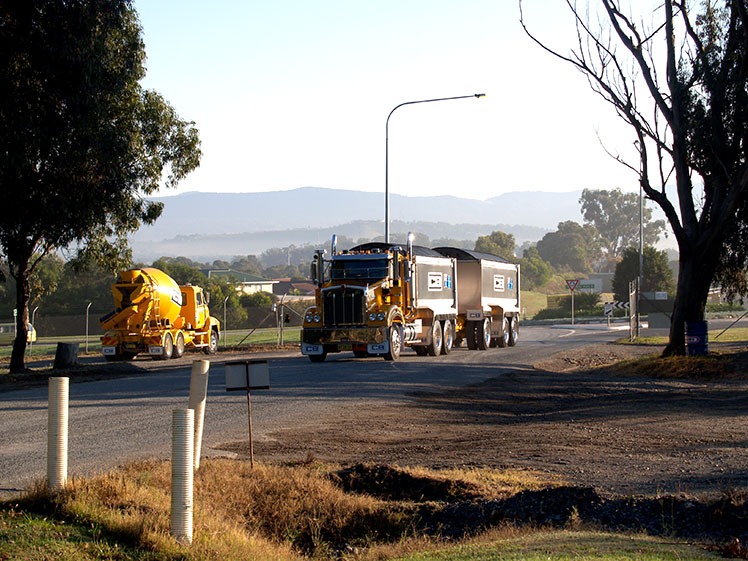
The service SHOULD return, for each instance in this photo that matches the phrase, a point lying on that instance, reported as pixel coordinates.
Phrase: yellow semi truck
(156, 316)
(377, 298)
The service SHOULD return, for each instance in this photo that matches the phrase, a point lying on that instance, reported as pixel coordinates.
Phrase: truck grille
(343, 305)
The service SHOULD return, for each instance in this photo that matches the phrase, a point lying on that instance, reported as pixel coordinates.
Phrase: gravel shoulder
(569, 417)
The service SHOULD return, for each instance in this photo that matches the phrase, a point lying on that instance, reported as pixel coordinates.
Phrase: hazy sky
(290, 93)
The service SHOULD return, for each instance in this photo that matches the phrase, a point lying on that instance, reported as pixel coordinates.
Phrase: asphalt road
(115, 421)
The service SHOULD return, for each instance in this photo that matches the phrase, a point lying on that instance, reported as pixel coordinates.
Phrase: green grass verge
(532, 302)
(733, 335)
(570, 545)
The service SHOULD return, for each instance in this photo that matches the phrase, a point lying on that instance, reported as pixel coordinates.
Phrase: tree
(256, 300)
(616, 216)
(535, 270)
(81, 142)
(572, 246)
(657, 276)
(497, 243)
(680, 86)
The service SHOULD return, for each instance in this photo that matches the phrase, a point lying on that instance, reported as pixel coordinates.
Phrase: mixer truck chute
(154, 315)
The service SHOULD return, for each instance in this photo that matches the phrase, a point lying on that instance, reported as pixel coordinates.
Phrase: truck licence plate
(377, 348)
(307, 349)
(154, 350)
(106, 351)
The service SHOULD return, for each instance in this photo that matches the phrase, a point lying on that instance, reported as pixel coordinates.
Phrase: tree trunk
(17, 363)
(695, 273)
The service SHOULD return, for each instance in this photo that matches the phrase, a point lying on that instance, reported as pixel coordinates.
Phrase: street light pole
(387, 155)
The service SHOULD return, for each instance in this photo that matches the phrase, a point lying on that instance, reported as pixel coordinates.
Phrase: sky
(294, 93)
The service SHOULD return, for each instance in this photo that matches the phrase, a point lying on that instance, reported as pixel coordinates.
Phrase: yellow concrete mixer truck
(154, 315)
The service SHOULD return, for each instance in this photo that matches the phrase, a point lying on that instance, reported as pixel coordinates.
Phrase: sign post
(248, 375)
(572, 284)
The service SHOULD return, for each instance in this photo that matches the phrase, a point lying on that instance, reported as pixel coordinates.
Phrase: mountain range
(207, 226)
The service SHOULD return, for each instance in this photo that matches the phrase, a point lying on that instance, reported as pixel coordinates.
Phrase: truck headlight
(308, 318)
(317, 318)
(380, 316)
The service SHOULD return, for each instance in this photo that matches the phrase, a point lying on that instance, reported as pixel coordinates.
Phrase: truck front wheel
(396, 343)
(212, 343)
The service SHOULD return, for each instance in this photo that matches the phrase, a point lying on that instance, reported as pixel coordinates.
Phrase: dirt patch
(620, 434)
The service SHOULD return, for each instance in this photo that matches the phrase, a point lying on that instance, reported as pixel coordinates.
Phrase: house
(245, 283)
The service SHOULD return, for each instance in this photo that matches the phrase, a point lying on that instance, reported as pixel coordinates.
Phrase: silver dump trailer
(488, 298)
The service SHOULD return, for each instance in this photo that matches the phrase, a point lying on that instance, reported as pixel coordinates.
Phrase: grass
(532, 302)
(285, 512)
(733, 335)
(564, 545)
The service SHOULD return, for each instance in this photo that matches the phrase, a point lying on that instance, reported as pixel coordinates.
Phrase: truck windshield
(358, 269)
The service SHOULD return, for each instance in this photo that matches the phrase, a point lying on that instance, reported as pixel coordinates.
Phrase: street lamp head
(479, 95)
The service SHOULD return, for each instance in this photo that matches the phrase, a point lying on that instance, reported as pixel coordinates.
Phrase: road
(115, 421)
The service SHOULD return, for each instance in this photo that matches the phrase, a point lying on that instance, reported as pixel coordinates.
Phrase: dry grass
(715, 366)
(266, 513)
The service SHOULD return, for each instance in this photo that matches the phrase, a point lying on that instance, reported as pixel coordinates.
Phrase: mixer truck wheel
(179, 346)
(448, 336)
(483, 336)
(434, 348)
(168, 347)
(212, 343)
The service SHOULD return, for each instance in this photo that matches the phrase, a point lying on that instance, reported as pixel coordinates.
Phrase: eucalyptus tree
(82, 143)
(678, 80)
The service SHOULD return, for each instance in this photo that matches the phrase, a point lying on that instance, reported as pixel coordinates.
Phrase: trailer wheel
(448, 336)
(472, 340)
(420, 350)
(179, 346)
(168, 348)
(484, 334)
(434, 348)
(396, 343)
(457, 342)
(513, 331)
(505, 328)
(212, 343)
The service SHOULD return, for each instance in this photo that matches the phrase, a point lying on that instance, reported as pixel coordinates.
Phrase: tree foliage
(657, 276)
(535, 270)
(497, 243)
(679, 82)
(615, 214)
(81, 142)
(571, 247)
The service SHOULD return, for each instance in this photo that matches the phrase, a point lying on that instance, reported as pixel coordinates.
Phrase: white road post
(198, 398)
(57, 433)
(182, 473)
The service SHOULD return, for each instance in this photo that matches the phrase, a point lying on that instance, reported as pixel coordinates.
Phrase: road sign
(572, 283)
(610, 306)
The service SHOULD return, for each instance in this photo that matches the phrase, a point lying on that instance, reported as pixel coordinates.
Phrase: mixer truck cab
(154, 315)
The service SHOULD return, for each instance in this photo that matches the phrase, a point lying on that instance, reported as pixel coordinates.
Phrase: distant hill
(202, 247)
(204, 225)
